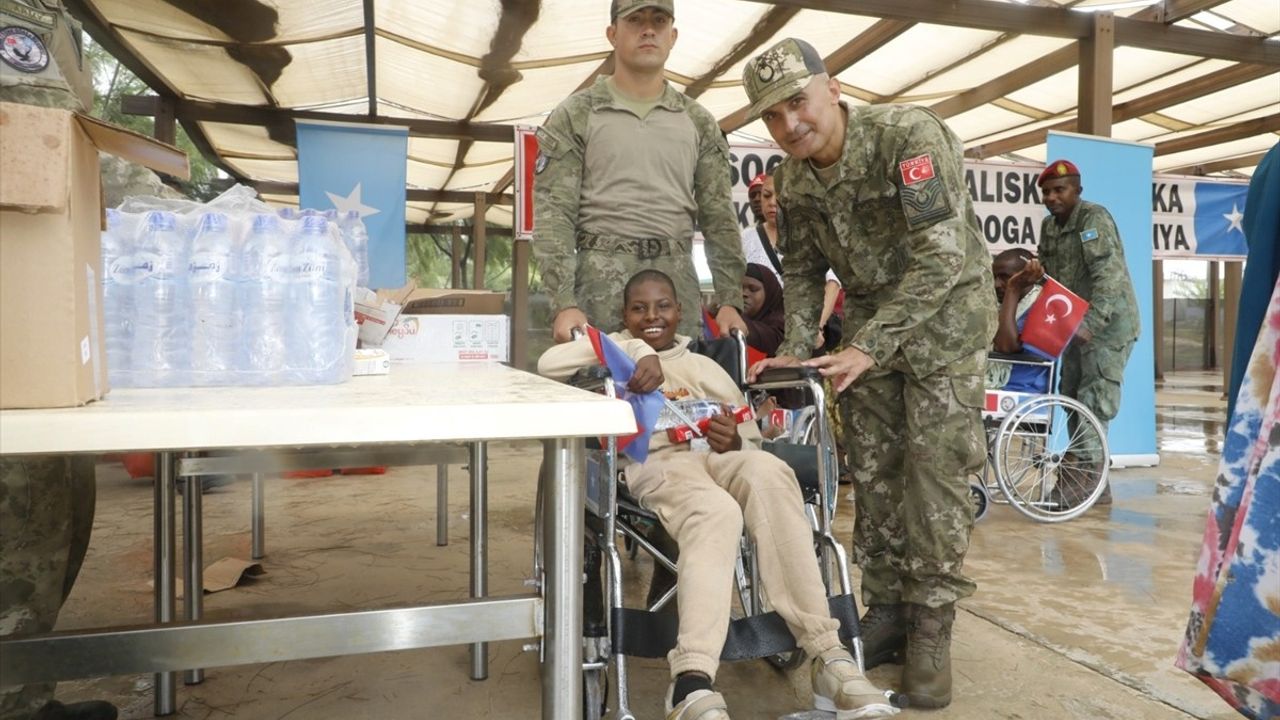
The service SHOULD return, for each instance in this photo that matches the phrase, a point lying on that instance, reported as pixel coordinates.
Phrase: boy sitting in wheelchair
(704, 496)
(1017, 274)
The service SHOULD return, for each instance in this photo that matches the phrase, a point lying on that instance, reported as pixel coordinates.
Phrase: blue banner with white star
(1197, 218)
(357, 167)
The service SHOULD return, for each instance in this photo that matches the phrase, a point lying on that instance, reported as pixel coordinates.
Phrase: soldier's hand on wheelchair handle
(729, 319)
(722, 432)
(567, 320)
(845, 366)
(648, 375)
(781, 361)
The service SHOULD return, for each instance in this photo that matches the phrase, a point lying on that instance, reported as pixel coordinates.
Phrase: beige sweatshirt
(686, 375)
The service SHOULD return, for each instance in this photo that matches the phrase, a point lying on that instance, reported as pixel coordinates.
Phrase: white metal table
(394, 415)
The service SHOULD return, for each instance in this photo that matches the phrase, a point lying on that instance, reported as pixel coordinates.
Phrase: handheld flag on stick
(646, 407)
(1053, 320)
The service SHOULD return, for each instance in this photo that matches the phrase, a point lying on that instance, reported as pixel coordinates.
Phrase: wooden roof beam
(769, 24)
(371, 55)
(411, 195)
(1171, 11)
(1235, 163)
(1182, 92)
(867, 42)
(1217, 136)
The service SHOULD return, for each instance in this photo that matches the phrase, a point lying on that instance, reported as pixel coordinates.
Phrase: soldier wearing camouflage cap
(46, 503)
(877, 194)
(627, 169)
(1081, 248)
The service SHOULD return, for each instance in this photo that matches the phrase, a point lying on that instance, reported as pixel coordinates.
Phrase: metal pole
(1157, 314)
(165, 539)
(258, 521)
(479, 547)
(193, 552)
(478, 240)
(442, 505)
(562, 594)
(1210, 340)
(1232, 278)
(520, 304)
(455, 277)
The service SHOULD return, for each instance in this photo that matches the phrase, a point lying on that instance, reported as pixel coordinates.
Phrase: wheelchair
(1036, 442)
(613, 631)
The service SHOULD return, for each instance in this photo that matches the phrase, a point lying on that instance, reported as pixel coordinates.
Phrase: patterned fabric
(1233, 637)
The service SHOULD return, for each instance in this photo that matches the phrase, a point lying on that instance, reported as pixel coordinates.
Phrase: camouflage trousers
(912, 444)
(1092, 373)
(602, 275)
(46, 516)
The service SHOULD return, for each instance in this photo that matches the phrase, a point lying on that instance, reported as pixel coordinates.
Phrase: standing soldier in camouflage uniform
(626, 168)
(46, 503)
(1080, 248)
(877, 194)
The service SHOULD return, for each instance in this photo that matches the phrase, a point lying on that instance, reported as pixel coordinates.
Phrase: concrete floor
(1080, 620)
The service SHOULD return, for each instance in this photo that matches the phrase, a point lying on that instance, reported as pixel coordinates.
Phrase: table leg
(193, 558)
(562, 594)
(442, 505)
(479, 546)
(164, 542)
(257, 522)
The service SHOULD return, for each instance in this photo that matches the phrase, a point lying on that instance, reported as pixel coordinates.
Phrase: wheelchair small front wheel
(979, 499)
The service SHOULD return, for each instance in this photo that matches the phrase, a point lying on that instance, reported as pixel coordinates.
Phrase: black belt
(643, 248)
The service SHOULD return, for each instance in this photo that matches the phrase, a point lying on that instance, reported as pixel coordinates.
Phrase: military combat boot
(884, 634)
(926, 679)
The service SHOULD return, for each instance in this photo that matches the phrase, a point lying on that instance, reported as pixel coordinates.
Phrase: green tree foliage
(112, 82)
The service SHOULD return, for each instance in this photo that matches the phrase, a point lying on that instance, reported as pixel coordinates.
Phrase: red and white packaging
(685, 433)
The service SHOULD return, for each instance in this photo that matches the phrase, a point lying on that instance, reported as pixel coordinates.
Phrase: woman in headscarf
(762, 308)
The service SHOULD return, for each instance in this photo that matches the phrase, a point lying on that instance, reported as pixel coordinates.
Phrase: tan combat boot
(884, 634)
(926, 679)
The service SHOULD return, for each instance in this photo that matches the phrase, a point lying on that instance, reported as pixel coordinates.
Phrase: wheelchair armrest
(787, 377)
(1019, 357)
(590, 378)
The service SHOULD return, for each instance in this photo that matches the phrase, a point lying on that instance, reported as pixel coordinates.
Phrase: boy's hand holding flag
(645, 405)
(1053, 320)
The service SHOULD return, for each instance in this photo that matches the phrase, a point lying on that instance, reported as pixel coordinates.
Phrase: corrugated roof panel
(478, 178)
(826, 31)
(294, 20)
(436, 151)
(199, 72)
(422, 81)
(530, 94)
(1260, 15)
(1225, 103)
(245, 139)
(483, 153)
(272, 170)
(323, 72)
(1136, 130)
(910, 57)
(424, 176)
(984, 120)
(1055, 94)
(568, 29)
(1246, 146)
(1155, 85)
(708, 31)
(456, 27)
(998, 60)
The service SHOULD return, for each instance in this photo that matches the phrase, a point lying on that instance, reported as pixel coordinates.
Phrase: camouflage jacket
(1085, 254)
(897, 228)
(559, 185)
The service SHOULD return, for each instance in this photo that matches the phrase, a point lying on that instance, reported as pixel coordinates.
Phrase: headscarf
(766, 326)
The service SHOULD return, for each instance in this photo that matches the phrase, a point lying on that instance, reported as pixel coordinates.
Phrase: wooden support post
(478, 243)
(455, 277)
(1157, 314)
(1230, 314)
(520, 304)
(166, 121)
(1094, 103)
(1211, 318)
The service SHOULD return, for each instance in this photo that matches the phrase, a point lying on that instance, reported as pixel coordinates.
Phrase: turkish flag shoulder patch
(916, 170)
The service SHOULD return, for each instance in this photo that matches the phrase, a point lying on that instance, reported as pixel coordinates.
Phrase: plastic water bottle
(318, 346)
(211, 275)
(266, 260)
(356, 237)
(118, 276)
(161, 349)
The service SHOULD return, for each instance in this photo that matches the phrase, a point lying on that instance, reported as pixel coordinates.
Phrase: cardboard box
(372, 361)
(449, 338)
(51, 218)
(444, 301)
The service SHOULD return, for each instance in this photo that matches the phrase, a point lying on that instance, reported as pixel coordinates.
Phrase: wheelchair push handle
(788, 376)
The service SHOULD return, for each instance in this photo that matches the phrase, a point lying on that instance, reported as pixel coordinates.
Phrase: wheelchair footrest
(640, 633)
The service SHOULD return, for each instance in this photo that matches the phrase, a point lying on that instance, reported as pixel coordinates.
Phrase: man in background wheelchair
(704, 492)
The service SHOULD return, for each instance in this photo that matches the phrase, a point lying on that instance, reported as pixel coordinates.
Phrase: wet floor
(1080, 620)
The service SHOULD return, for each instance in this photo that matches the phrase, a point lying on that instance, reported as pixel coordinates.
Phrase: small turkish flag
(1052, 320)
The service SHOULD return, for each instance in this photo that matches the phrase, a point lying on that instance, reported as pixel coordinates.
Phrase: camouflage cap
(623, 8)
(779, 73)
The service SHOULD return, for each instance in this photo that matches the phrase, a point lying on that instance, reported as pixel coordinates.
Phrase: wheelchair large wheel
(754, 601)
(1042, 469)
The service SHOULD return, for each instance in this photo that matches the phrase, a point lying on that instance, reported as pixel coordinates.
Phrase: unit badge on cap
(23, 50)
(916, 170)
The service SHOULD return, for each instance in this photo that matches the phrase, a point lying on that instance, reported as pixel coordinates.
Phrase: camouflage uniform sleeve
(935, 238)
(714, 196)
(1106, 267)
(804, 279)
(557, 193)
